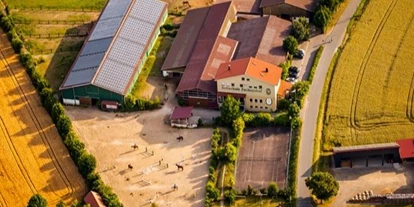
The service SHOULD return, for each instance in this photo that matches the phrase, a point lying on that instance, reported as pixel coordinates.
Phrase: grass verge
(293, 163)
(337, 15)
(315, 63)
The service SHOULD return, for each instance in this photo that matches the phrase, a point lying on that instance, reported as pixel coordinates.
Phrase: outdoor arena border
(38, 125)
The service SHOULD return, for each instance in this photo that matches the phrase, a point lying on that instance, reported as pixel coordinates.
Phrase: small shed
(406, 149)
(183, 117)
(94, 199)
(109, 105)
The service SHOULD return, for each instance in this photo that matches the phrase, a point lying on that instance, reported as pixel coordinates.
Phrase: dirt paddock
(263, 158)
(381, 180)
(110, 137)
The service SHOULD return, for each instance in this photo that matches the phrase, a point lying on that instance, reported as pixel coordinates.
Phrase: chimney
(267, 70)
(228, 67)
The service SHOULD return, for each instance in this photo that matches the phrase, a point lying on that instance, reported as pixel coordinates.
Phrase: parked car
(293, 74)
(299, 54)
(291, 80)
(294, 69)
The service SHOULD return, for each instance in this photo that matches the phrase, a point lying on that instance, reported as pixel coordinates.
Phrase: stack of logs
(369, 197)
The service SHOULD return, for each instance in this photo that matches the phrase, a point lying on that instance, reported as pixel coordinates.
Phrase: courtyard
(146, 174)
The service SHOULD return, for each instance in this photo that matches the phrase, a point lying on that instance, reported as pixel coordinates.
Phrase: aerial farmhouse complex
(255, 83)
(115, 52)
(209, 39)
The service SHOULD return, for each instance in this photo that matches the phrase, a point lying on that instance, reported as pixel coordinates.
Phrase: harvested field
(371, 98)
(263, 158)
(33, 157)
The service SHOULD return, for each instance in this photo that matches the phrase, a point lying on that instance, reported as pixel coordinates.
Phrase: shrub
(230, 196)
(285, 194)
(86, 164)
(249, 190)
(315, 64)
(37, 201)
(293, 111)
(6, 24)
(263, 191)
(57, 111)
(93, 180)
(283, 104)
(129, 102)
(296, 123)
(216, 138)
(64, 125)
(17, 45)
(168, 27)
(272, 190)
(262, 119)
(290, 44)
(212, 192)
(230, 110)
(301, 29)
(281, 120)
(322, 17)
(332, 5)
(75, 146)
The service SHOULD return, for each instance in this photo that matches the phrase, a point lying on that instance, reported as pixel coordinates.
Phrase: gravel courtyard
(109, 137)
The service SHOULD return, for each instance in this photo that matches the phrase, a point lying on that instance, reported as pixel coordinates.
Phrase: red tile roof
(406, 148)
(245, 6)
(182, 112)
(94, 199)
(284, 86)
(261, 38)
(210, 50)
(309, 5)
(252, 67)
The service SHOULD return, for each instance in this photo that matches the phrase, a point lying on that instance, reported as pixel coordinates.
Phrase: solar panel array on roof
(119, 66)
(93, 52)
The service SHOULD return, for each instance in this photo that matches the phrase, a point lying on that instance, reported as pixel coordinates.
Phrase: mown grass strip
(293, 163)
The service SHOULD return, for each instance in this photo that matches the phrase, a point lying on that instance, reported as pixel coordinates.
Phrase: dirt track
(33, 158)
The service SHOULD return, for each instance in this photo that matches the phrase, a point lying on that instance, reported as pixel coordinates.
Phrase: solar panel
(115, 8)
(137, 30)
(96, 46)
(106, 28)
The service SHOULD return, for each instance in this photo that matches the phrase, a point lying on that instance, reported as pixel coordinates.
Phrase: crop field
(71, 4)
(371, 98)
(33, 157)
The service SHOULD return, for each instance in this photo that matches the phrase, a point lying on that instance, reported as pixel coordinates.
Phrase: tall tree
(230, 110)
(37, 201)
(301, 29)
(323, 185)
(322, 17)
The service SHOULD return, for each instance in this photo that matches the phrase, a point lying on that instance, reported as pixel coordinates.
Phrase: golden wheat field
(33, 158)
(371, 94)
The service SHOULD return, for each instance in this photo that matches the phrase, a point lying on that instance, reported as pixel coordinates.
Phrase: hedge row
(133, 104)
(315, 63)
(212, 193)
(265, 119)
(85, 162)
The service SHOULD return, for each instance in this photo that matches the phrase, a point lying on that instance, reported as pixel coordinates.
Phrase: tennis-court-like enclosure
(263, 158)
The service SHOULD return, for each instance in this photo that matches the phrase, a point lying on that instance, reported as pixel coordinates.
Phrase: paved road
(310, 111)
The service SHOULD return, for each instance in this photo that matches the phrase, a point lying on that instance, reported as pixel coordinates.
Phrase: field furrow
(34, 155)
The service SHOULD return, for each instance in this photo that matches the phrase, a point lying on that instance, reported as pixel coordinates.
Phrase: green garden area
(370, 99)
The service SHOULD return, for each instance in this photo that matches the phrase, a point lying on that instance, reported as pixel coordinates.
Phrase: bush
(6, 24)
(168, 27)
(315, 63)
(57, 111)
(285, 194)
(290, 44)
(285, 68)
(272, 190)
(263, 191)
(17, 45)
(75, 146)
(64, 125)
(37, 201)
(216, 138)
(212, 177)
(283, 104)
(230, 196)
(301, 29)
(263, 119)
(249, 190)
(212, 192)
(332, 5)
(281, 120)
(86, 164)
(322, 17)
(93, 180)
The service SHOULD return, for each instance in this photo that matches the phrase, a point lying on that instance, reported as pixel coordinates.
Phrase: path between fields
(310, 111)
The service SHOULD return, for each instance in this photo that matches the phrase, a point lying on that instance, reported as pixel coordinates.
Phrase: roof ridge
(112, 42)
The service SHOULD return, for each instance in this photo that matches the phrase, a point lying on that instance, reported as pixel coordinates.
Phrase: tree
(301, 29)
(330, 4)
(322, 17)
(230, 110)
(230, 151)
(57, 111)
(323, 185)
(272, 190)
(296, 123)
(230, 196)
(212, 192)
(64, 125)
(37, 201)
(290, 44)
(86, 163)
(293, 111)
(285, 194)
(75, 146)
(129, 102)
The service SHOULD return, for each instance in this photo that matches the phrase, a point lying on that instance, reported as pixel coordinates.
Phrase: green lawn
(252, 202)
(371, 96)
(95, 4)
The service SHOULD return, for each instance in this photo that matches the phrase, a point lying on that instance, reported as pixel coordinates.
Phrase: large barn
(115, 52)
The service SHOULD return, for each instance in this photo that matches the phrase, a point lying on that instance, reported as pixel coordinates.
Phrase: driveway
(310, 111)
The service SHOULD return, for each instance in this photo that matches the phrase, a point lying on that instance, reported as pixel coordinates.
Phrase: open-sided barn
(115, 52)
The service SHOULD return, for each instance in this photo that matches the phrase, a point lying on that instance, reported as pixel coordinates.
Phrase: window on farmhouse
(232, 84)
(241, 85)
(243, 79)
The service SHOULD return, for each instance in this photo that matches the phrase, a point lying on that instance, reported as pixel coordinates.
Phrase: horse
(134, 146)
(179, 167)
(130, 167)
(180, 138)
(175, 187)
